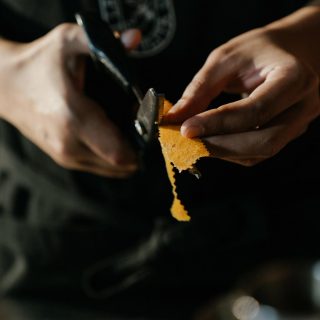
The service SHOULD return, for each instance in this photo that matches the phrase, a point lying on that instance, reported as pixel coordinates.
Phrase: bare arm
(41, 95)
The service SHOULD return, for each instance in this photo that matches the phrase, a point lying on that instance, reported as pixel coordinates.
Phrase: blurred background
(281, 290)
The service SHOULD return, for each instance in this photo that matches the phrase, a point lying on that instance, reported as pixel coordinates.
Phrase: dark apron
(63, 231)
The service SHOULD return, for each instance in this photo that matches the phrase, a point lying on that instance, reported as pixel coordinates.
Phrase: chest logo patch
(155, 18)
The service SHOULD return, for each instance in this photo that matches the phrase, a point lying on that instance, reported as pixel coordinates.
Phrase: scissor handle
(108, 51)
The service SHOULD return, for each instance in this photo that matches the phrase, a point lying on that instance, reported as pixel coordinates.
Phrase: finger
(71, 38)
(266, 142)
(104, 172)
(93, 167)
(131, 38)
(75, 155)
(281, 89)
(204, 87)
(87, 161)
(101, 136)
(76, 68)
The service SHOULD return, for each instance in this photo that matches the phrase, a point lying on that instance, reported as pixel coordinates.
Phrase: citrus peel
(181, 153)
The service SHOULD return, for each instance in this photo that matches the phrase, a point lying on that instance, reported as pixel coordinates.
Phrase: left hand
(282, 98)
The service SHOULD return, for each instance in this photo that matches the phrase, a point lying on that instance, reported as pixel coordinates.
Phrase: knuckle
(301, 74)
(293, 66)
(64, 29)
(293, 71)
(62, 34)
(220, 54)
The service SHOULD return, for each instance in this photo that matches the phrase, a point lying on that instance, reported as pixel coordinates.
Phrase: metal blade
(148, 115)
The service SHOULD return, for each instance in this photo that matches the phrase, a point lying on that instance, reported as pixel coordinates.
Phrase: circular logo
(155, 18)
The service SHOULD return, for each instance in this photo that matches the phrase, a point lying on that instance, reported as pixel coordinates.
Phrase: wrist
(299, 34)
(6, 48)
(8, 54)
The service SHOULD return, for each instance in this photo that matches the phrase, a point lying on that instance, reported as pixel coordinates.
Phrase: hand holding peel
(278, 70)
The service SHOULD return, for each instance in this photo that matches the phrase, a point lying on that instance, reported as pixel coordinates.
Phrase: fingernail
(131, 38)
(127, 38)
(192, 131)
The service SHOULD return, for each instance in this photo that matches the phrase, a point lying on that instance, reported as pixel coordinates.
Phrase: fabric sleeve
(313, 2)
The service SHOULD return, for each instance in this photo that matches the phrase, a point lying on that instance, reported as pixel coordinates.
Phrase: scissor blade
(108, 52)
(148, 115)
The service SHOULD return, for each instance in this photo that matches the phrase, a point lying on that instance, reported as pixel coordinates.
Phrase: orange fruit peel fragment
(180, 153)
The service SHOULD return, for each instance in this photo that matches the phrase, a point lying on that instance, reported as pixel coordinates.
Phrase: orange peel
(181, 153)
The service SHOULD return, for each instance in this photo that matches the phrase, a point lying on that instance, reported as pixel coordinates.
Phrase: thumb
(204, 87)
(131, 38)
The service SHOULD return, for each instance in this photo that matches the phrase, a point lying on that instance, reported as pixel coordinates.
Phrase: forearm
(4, 54)
(8, 58)
(299, 33)
(314, 2)
(6, 47)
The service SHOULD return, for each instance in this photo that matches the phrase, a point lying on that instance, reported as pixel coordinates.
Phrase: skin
(41, 95)
(276, 69)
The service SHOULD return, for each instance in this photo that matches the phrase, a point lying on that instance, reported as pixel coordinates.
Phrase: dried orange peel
(180, 153)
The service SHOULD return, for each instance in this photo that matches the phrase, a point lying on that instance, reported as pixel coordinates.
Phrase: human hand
(282, 98)
(41, 95)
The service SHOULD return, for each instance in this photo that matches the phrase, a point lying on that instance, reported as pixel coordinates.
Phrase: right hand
(41, 95)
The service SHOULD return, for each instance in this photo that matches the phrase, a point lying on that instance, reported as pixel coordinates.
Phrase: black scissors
(111, 59)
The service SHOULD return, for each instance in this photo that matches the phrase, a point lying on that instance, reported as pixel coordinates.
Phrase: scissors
(111, 59)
